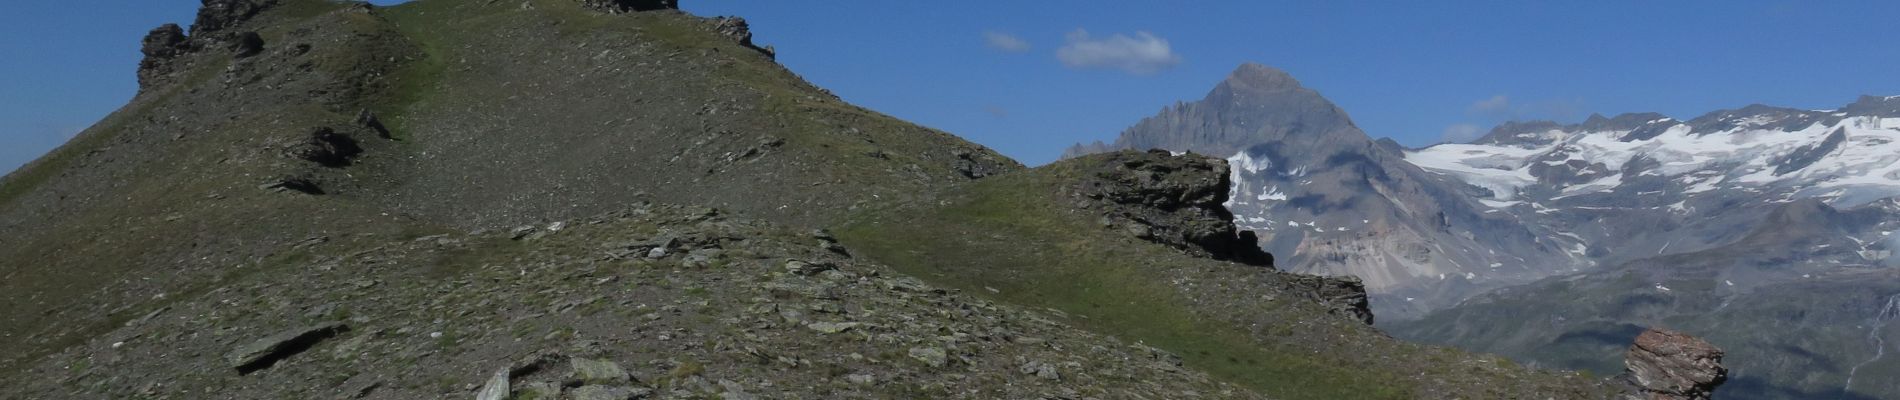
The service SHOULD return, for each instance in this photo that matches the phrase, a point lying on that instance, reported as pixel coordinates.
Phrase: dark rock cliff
(1173, 200)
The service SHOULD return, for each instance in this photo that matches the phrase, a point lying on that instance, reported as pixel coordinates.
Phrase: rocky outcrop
(738, 30)
(163, 45)
(216, 16)
(1169, 199)
(624, 6)
(1345, 294)
(1670, 365)
(167, 44)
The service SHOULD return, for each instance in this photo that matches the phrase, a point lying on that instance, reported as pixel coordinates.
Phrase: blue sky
(1022, 77)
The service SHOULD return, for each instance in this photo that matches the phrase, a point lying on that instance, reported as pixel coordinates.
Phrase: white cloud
(1461, 133)
(1005, 42)
(1494, 105)
(1142, 54)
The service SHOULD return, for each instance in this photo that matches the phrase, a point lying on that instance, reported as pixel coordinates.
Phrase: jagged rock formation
(1670, 365)
(1173, 200)
(739, 31)
(160, 46)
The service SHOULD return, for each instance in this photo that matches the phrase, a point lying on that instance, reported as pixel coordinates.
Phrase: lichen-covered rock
(1670, 365)
(1169, 199)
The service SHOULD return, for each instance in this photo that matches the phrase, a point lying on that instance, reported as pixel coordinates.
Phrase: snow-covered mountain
(1769, 231)
(1617, 188)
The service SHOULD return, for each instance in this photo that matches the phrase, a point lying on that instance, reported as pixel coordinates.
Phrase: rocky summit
(586, 199)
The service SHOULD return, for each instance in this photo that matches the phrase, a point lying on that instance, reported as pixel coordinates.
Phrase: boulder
(932, 356)
(265, 352)
(327, 147)
(1670, 365)
(369, 121)
(496, 388)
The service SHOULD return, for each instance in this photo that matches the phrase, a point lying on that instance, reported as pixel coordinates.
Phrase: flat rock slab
(599, 372)
(266, 352)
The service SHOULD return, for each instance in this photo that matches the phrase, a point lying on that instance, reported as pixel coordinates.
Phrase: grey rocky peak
(1255, 77)
(1255, 104)
(1670, 365)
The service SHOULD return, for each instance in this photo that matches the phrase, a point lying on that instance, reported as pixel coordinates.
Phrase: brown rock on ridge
(1665, 364)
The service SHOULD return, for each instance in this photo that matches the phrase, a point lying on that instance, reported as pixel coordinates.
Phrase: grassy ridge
(1007, 234)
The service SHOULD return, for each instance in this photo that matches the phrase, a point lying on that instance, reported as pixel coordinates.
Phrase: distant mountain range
(1769, 230)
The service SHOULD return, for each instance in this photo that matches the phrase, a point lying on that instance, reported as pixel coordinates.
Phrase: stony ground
(690, 304)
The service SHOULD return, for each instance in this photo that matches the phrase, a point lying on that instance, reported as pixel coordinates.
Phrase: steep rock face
(1173, 200)
(1327, 199)
(1670, 365)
